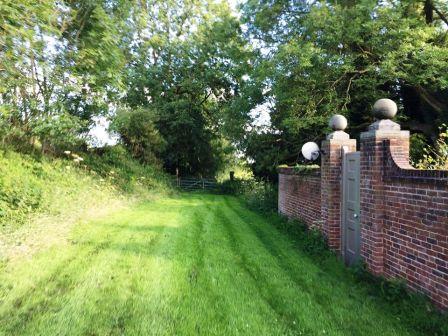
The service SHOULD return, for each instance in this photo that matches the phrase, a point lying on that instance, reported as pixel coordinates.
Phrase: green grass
(42, 197)
(194, 264)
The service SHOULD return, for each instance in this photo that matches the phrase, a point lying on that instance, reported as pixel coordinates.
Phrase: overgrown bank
(42, 197)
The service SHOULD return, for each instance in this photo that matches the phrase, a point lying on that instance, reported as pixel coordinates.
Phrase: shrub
(436, 157)
(310, 240)
(58, 133)
(231, 187)
(139, 134)
(115, 164)
(259, 195)
(417, 145)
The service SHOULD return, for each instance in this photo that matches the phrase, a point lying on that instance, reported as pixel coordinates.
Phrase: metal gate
(351, 231)
(192, 183)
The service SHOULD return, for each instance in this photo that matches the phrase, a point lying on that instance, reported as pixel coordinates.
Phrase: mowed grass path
(188, 265)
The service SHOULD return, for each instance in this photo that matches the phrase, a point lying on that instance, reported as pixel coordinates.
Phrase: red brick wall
(372, 199)
(372, 203)
(404, 211)
(299, 196)
(404, 216)
(416, 226)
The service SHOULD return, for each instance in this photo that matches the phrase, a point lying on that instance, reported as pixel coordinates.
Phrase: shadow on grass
(413, 310)
(286, 245)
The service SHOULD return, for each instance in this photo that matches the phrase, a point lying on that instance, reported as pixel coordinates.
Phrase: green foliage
(232, 162)
(58, 133)
(94, 55)
(266, 150)
(19, 196)
(306, 169)
(240, 169)
(436, 157)
(61, 65)
(326, 57)
(193, 78)
(259, 195)
(139, 133)
(417, 145)
(200, 73)
(117, 166)
(33, 185)
(311, 241)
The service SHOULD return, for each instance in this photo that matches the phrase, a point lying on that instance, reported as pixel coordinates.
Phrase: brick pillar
(331, 185)
(382, 136)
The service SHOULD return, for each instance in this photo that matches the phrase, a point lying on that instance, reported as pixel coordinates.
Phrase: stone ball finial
(385, 109)
(338, 122)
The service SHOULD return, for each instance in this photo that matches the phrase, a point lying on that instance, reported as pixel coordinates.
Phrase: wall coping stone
(384, 125)
(397, 169)
(385, 134)
(293, 171)
(338, 135)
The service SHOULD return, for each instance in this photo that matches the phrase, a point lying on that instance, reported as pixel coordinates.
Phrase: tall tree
(61, 63)
(325, 57)
(188, 65)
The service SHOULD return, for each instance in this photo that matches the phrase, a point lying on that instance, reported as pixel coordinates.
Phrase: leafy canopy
(324, 57)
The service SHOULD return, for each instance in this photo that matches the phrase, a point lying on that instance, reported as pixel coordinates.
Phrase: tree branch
(429, 99)
(440, 14)
(205, 98)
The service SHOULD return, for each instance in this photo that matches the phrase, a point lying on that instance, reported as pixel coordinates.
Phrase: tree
(188, 64)
(24, 78)
(139, 133)
(326, 57)
(59, 58)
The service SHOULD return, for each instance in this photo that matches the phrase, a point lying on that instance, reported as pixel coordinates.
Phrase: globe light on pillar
(310, 151)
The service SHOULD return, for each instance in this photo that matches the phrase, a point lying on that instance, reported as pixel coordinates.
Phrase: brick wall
(299, 196)
(403, 211)
(404, 215)
(415, 225)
